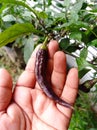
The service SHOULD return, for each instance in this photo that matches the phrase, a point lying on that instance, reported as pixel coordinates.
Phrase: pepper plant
(72, 23)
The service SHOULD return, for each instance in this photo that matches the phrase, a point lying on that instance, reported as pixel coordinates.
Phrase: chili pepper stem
(44, 44)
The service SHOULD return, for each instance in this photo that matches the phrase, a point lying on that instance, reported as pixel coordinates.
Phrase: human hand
(27, 107)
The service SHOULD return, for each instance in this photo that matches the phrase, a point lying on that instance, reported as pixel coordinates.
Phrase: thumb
(5, 89)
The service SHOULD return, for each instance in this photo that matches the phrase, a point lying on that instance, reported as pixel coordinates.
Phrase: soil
(14, 68)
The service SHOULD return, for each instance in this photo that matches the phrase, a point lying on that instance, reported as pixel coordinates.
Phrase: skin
(27, 107)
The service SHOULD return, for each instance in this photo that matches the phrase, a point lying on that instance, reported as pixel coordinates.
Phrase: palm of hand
(30, 109)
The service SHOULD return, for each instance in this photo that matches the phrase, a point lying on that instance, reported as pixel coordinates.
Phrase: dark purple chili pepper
(40, 71)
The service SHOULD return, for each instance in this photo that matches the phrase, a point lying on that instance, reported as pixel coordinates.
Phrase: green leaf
(66, 46)
(49, 2)
(41, 14)
(17, 2)
(84, 5)
(72, 48)
(84, 53)
(76, 35)
(83, 66)
(73, 17)
(37, 14)
(78, 6)
(2, 7)
(59, 5)
(64, 43)
(28, 48)
(93, 43)
(67, 3)
(82, 72)
(9, 18)
(82, 63)
(15, 31)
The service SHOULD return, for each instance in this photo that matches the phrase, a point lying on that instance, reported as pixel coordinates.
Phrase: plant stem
(44, 44)
(44, 4)
(35, 13)
(87, 85)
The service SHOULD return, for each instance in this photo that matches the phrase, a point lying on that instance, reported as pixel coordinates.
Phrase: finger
(27, 78)
(70, 91)
(5, 89)
(52, 48)
(59, 72)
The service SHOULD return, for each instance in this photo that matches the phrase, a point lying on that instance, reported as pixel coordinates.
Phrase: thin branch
(37, 17)
(44, 5)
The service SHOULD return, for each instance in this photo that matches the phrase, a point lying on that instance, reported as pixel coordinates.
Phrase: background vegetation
(25, 23)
